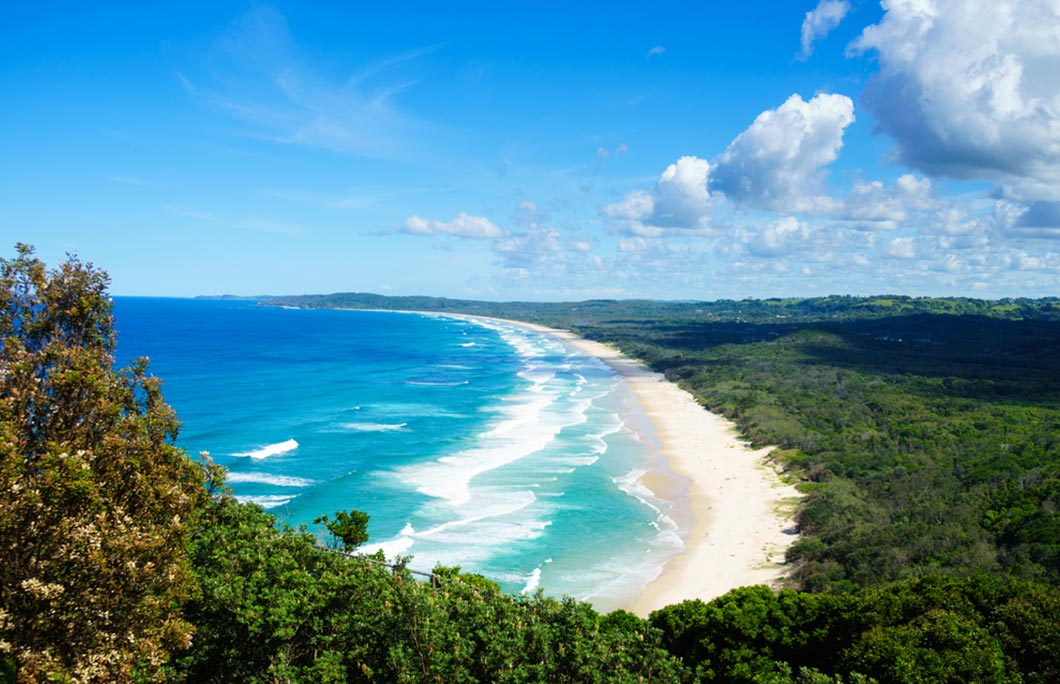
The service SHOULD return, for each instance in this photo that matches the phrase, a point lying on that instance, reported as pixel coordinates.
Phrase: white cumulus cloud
(464, 225)
(537, 246)
(901, 248)
(969, 89)
(820, 21)
(778, 162)
(877, 206)
(779, 237)
(679, 203)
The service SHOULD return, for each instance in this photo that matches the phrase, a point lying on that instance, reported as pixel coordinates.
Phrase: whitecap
(270, 450)
(268, 501)
(266, 478)
(395, 547)
(523, 433)
(374, 427)
(532, 582)
(515, 501)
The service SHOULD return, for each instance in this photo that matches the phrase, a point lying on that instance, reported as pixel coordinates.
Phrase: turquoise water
(469, 443)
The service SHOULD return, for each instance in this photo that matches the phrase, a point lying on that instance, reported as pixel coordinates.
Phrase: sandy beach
(738, 518)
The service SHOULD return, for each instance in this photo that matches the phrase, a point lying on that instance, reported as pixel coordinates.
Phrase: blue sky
(550, 151)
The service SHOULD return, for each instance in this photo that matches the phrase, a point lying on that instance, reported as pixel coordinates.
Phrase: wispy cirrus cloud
(253, 224)
(186, 212)
(257, 74)
(820, 21)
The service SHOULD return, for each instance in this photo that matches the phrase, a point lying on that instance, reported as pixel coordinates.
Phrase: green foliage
(481, 583)
(349, 528)
(95, 501)
(932, 630)
(275, 607)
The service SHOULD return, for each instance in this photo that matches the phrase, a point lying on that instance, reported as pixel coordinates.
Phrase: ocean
(472, 443)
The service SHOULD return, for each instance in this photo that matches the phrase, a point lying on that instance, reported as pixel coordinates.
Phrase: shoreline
(741, 512)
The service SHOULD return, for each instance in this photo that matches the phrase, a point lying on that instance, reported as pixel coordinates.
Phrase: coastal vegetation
(96, 504)
(124, 560)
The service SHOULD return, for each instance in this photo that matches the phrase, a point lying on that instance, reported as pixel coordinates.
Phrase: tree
(95, 500)
(350, 529)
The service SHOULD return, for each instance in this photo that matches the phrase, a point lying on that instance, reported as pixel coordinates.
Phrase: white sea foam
(532, 582)
(268, 501)
(511, 503)
(615, 581)
(537, 375)
(525, 414)
(524, 432)
(630, 484)
(467, 344)
(550, 426)
(397, 546)
(476, 545)
(270, 450)
(266, 478)
(597, 445)
(497, 519)
(374, 427)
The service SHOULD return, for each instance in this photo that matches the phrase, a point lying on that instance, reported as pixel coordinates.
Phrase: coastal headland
(734, 511)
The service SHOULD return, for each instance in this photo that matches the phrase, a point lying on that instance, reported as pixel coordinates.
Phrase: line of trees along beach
(924, 433)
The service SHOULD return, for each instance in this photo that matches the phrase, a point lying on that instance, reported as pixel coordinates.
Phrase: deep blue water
(469, 443)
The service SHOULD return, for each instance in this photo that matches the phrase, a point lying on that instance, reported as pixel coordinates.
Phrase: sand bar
(740, 512)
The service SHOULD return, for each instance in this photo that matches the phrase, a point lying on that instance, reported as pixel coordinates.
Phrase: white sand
(739, 507)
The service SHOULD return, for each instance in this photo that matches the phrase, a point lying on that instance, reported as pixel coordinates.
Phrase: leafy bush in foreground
(275, 607)
(930, 630)
(95, 501)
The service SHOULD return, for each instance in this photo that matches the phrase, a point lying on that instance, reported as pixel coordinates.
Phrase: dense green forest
(122, 559)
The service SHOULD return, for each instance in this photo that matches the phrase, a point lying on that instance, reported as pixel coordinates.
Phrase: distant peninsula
(793, 309)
